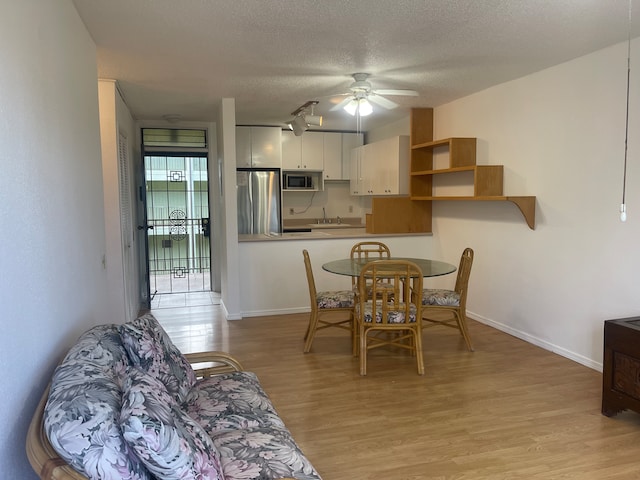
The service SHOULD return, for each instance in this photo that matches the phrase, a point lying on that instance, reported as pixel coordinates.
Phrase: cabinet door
(369, 181)
(385, 166)
(266, 147)
(243, 147)
(332, 156)
(355, 178)
(312, 151)
(304, 152)
(291, 151)
(349, 142)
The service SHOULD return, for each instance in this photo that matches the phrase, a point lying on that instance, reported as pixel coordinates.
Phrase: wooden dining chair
(368, 251)
(451, 303)
(392, 304)
(324, 306)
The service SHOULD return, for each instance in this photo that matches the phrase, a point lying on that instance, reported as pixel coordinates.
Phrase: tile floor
(190, 299)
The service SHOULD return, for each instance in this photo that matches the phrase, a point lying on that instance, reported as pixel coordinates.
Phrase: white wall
(273, 279)
(230, 276)
(123, 290)
(52, 280)
(560, 135)
(400, 127)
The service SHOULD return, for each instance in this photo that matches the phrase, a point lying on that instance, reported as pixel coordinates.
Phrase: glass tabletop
(352, 267)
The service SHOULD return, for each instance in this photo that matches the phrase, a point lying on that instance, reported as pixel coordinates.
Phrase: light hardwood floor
(509, 410)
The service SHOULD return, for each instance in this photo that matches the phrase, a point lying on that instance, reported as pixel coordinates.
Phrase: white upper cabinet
(291, 150)
(243, 147)
(337, 154)
(381, 168)
(304, 152)
(327, 152)
(349, 142)
(332, 155)
(258, 147)
(312, 151)
(356, 186)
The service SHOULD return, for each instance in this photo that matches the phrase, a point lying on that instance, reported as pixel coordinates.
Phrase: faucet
(338, 219)
(324, 216)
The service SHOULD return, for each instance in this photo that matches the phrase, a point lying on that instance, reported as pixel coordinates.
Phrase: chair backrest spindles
(310, 279)
(464, 272)
(370, 250)
(391, 285)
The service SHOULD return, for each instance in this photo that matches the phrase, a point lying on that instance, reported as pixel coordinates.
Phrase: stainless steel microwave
(298, 181)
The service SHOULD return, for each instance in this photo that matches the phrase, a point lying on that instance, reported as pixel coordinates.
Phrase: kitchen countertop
(323, 234)
(347, 228)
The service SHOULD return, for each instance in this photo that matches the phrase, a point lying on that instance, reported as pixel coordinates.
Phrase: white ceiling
(182, 56)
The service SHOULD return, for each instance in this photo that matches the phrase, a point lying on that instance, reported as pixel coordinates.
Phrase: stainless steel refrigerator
(259, 210)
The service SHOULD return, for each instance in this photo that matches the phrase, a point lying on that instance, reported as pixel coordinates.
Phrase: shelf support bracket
(527, 206)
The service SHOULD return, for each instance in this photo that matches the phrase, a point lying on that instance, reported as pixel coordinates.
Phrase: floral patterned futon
(125, 404)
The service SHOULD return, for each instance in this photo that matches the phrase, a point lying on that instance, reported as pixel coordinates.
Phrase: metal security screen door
(177, 201)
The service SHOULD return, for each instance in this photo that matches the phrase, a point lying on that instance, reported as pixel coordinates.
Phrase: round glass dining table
(353, 266)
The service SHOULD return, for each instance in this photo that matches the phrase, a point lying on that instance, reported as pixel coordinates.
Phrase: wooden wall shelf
(526, 205)
(487, 181)
(462, 152)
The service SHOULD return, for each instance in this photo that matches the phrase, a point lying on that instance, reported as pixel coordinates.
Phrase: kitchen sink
(330, 225)
(306, 234)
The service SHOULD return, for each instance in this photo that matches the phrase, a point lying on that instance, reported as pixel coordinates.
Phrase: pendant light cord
(626, 128)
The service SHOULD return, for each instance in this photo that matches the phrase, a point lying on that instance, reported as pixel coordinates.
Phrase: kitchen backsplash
(335, 198)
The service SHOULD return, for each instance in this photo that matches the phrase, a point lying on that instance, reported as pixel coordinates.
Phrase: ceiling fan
(361, 93)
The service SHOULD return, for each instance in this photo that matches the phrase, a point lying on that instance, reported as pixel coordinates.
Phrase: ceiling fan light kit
(361, 106)
(361, 95)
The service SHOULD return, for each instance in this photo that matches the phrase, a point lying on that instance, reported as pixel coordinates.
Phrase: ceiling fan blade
(391, 91)
(342, 104)
(383, 102)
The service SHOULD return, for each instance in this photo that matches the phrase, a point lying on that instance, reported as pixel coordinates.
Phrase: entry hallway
(509, 410)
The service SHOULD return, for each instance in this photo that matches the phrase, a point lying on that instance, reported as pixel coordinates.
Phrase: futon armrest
(206, 364)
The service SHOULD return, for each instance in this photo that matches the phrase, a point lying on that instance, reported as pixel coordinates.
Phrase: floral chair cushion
(102, 345)
(81, 417)
(252, 439)
(151, 349)
(231, 400)
(262, 453)
(335, 299)
(394, 316)
(433, 296)
(170, 443)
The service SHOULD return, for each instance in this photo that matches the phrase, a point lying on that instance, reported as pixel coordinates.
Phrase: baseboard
(581, 359)
(227, 315)
(284, 311)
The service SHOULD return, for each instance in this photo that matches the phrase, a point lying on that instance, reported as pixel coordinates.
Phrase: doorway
(178, 229)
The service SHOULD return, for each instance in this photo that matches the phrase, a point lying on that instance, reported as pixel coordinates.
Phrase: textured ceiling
(182, 56)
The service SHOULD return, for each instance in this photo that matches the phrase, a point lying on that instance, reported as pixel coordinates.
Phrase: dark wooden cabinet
(621, 366)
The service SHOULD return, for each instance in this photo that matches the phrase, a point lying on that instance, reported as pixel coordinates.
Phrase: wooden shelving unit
(415, 214)
(487, 179)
